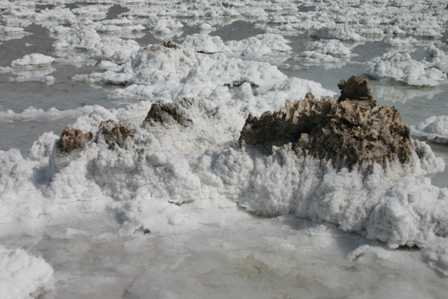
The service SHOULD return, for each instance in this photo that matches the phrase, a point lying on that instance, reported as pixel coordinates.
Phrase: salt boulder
(34, 60)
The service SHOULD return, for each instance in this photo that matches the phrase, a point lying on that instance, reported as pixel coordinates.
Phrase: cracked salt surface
(89, 215)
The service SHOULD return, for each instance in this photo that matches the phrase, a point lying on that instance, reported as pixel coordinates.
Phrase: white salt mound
(436, 256)
(327, 52)
(34, 60)
(401, 67)
(434, 129)
(23, 276)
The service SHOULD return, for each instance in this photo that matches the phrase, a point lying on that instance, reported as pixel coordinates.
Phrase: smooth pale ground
(246, 257)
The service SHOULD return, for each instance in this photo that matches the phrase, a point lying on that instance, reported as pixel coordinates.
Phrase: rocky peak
(349, 131)
(169, 113)
(356, 88)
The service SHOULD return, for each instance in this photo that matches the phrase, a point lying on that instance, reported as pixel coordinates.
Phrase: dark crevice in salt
(115, 11)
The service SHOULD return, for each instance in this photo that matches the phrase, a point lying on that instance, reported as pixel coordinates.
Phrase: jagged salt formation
(175, 160)
(351, 131)
(390, 202)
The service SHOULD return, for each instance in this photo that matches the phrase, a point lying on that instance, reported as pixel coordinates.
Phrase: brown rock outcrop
(352, 130)
(73, 139)
(356, 89)
(169, 113)
(113, 133)
(169, 44)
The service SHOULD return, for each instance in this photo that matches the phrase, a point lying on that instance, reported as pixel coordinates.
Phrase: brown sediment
(348, 131)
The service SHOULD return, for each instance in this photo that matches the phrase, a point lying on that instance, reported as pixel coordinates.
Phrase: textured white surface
(23, 276)
(434, 128)
(401, 67)
(186, 184)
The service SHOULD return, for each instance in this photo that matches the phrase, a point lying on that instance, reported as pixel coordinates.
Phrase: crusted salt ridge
(24, 276)
(383, 205)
